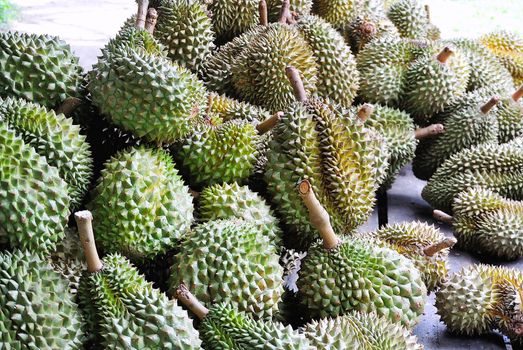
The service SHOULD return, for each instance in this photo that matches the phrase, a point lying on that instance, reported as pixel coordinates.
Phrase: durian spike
(518, 94)
(285, 13)
(150, 21)
(433, 249)
(429, 131)
(297, 84)
(68, 106)
(442, 216)
(262, 10)
(84, 221)
(445, 54)
(365, 112)
(189, 300)
(269, 123)
(487, 107)
(141, 15)
(318, 215)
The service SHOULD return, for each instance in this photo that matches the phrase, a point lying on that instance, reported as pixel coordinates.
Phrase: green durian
(186, 30)
(258, 74)
(480, 298)
(227, 109)
(34, 200)
(340, 275)
(490, 166)
(485, 222)
(338, 78)
(230, 261)
(232, 18)
(336, 12)
(134, 63)
(423, 244)
(227, 201)
(358, 330)
(143, 205)
(222, 327)
(410, 18)
(365, 28)
(510, 117)
(122, 309)
(465, 128)
(508, 48)
(298, 7)
(54, 137)
(37, 311)
(38, 68)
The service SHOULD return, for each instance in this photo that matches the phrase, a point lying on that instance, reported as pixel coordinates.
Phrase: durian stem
(487, 107)
(262, 10)
(445, 54)
(189, 300)
(318, 215)
(141, 15)
(285, 13)
(297, 83)
(269, 123)
(429, 131)
(433, 249)
(194, 193)
(150, 20)
(427, 12)
(68, 106)
(518, 94)
(365, 112)
(442, 216)
(84, 220)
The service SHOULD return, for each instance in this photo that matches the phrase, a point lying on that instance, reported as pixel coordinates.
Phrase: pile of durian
(203, 185)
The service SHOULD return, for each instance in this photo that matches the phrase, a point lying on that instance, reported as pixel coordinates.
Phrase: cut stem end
(429, 131)
(518, 94)
(189, 300)
(150, 21)
(433, 249)
(269, 123)
(442, 216)
(487, 107)
(262, 10)
(84, 221)
(141, 15)
(297, 83)
(365, 112)
(445, 54)
(68, 106)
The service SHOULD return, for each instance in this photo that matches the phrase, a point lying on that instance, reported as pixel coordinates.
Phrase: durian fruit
(142, 91)
(227, 201)
(232, 18)
(34, 200)
(340, 275)
(358, 330)
(485, 222)
(336, 12)
(222, 327)
(37, 311)
(230, 261)
(465, 128)
(433, 32)
(142, 204)
(186, 30)
(227, 109)
(342, 159)
(508, 48)
(431, 83)
(38, 68)
(68, 259)
(491, 166)
(365, 28)
(424, 244)
(298, 7)
(338, 78)
(510, 116)
(224, 153)
(122, 309)
(480, 298)
(410, 18)
(54, 137)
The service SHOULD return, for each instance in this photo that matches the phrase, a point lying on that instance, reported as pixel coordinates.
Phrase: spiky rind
(34, 200)
(510, 119)
(232, 18)
(508, 48)
(142, 204)
(230, 261)
(336, 12)
(410, 18)
(228, 109)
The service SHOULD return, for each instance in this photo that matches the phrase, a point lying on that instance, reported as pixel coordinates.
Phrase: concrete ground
(88, 24)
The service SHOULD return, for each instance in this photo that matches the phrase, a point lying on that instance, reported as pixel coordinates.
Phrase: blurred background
(88, 24)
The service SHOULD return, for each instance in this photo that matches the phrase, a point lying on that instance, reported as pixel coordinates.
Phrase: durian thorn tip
(269, 123)
(68, 106)
(518, 94)
(318, 215)
(487, 107)
(293, 75)
(365, 111)
(150, 21)
(445, 243)
(189, 300)
(442, 216)
(445, 54)
(141, 14)
(84, 221)
(429, 131)
(262, 10)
